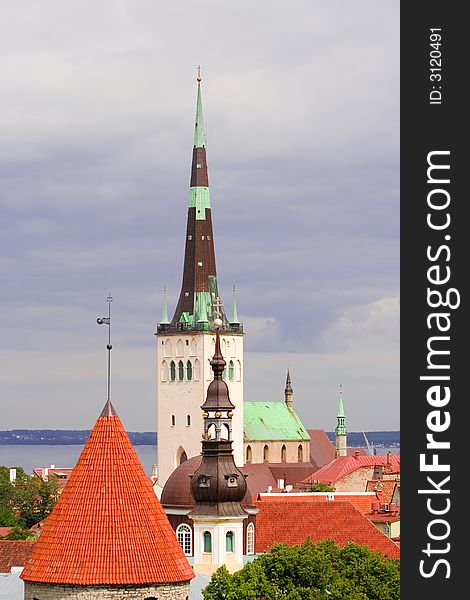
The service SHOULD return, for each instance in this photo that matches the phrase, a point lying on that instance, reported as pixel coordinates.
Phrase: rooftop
(272, 421)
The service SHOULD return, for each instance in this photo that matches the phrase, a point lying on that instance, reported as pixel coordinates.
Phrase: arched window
(184, 535)
(229, 541)
(266, 453)
(197, 370)
(248, 454)
(250, 539)
(300, 453)
(224, 373)
(239, 370)
(179, 348)
(164, 371)
(230, 370)
(207, 537)
(283, 453)
(188, 420)
(193, 347)
(180, 370)
(172, 370)
(167, 348)
(183, 458)
(173, 420)
(189, 370)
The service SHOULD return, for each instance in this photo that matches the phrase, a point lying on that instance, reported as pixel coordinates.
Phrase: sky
(301, 111)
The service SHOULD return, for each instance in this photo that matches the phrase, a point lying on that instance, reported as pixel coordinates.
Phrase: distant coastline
(72, 437)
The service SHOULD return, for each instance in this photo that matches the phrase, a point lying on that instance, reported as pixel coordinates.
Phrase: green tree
(321, 571)
(27, 500)
(18, 533)
(320, 487)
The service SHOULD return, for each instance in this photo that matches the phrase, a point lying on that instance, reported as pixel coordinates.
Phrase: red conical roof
(108, 526)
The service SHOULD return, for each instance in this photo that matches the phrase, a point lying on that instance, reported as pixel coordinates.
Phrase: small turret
(288, 391)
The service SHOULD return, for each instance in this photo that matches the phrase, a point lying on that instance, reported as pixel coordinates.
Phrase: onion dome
(107, 527)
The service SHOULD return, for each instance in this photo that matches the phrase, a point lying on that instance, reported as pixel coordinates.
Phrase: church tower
(186, 344)
(340, 429)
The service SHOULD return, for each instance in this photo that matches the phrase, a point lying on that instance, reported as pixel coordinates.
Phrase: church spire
(199, 290)
(288, 391)
(340, 430)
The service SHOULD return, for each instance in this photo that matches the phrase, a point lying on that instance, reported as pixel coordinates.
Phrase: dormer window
(204, 481)
(231, 479)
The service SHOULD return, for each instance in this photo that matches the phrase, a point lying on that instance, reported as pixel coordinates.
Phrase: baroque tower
(186, 344)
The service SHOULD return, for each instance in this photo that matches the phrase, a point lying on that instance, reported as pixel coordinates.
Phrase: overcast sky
(301, 109)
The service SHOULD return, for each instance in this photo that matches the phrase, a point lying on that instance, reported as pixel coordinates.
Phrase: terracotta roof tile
(344, 465)
(360, 500)
(279, 522)
(108, 526)
(14, 553)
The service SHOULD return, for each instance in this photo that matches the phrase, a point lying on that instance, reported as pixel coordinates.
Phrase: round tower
(107, 537)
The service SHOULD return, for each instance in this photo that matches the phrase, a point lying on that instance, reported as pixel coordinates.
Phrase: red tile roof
(322, 450)
(292, 522)
(108, 526)
(360, 500)
(344, 465)
(386, 488)
(14, 553)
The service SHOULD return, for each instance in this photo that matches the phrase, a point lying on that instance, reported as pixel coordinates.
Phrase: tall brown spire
(196, 310)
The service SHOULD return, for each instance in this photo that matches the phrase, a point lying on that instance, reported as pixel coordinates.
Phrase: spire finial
(199, 78)
(164, 320)
(107, 321)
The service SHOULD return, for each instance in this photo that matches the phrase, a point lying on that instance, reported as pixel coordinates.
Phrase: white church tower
(186, 344)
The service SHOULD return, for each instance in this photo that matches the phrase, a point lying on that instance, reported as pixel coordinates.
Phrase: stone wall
(49, 591)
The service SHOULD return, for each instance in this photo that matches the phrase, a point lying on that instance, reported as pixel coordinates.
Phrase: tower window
(188, 420)
(184, 535)
(207, 541)
(250, 539)
(229, 541)
(173, 420)
(202, 237)
(190, 237)
(183, 457)
(172, 370)
(248, 454)
(208, 237)
(283, 453)
(189, 370)
(198, 166)
(300, 453)
(186, 294)
(180, 370)
(230, 370)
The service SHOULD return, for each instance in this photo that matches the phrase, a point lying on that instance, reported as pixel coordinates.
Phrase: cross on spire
(217, 306)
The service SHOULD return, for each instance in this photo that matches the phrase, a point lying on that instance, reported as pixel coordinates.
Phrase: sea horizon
(33, 456)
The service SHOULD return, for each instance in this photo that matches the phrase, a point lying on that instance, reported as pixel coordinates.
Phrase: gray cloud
(301, 106)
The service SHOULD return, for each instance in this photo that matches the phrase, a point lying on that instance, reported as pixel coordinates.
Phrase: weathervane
(107, 321)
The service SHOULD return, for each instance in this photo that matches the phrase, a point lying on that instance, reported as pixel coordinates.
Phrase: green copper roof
(199, 199)
(272, 421)
(199, 141)
(234, 318)
(340, 428)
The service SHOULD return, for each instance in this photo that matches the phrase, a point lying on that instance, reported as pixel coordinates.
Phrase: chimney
(280, 484)
(388, 457)
(45, 473)
(52, 466)
(12, 475)
(375, 506)
(289, 488)
(356, 454)
(270, 489)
